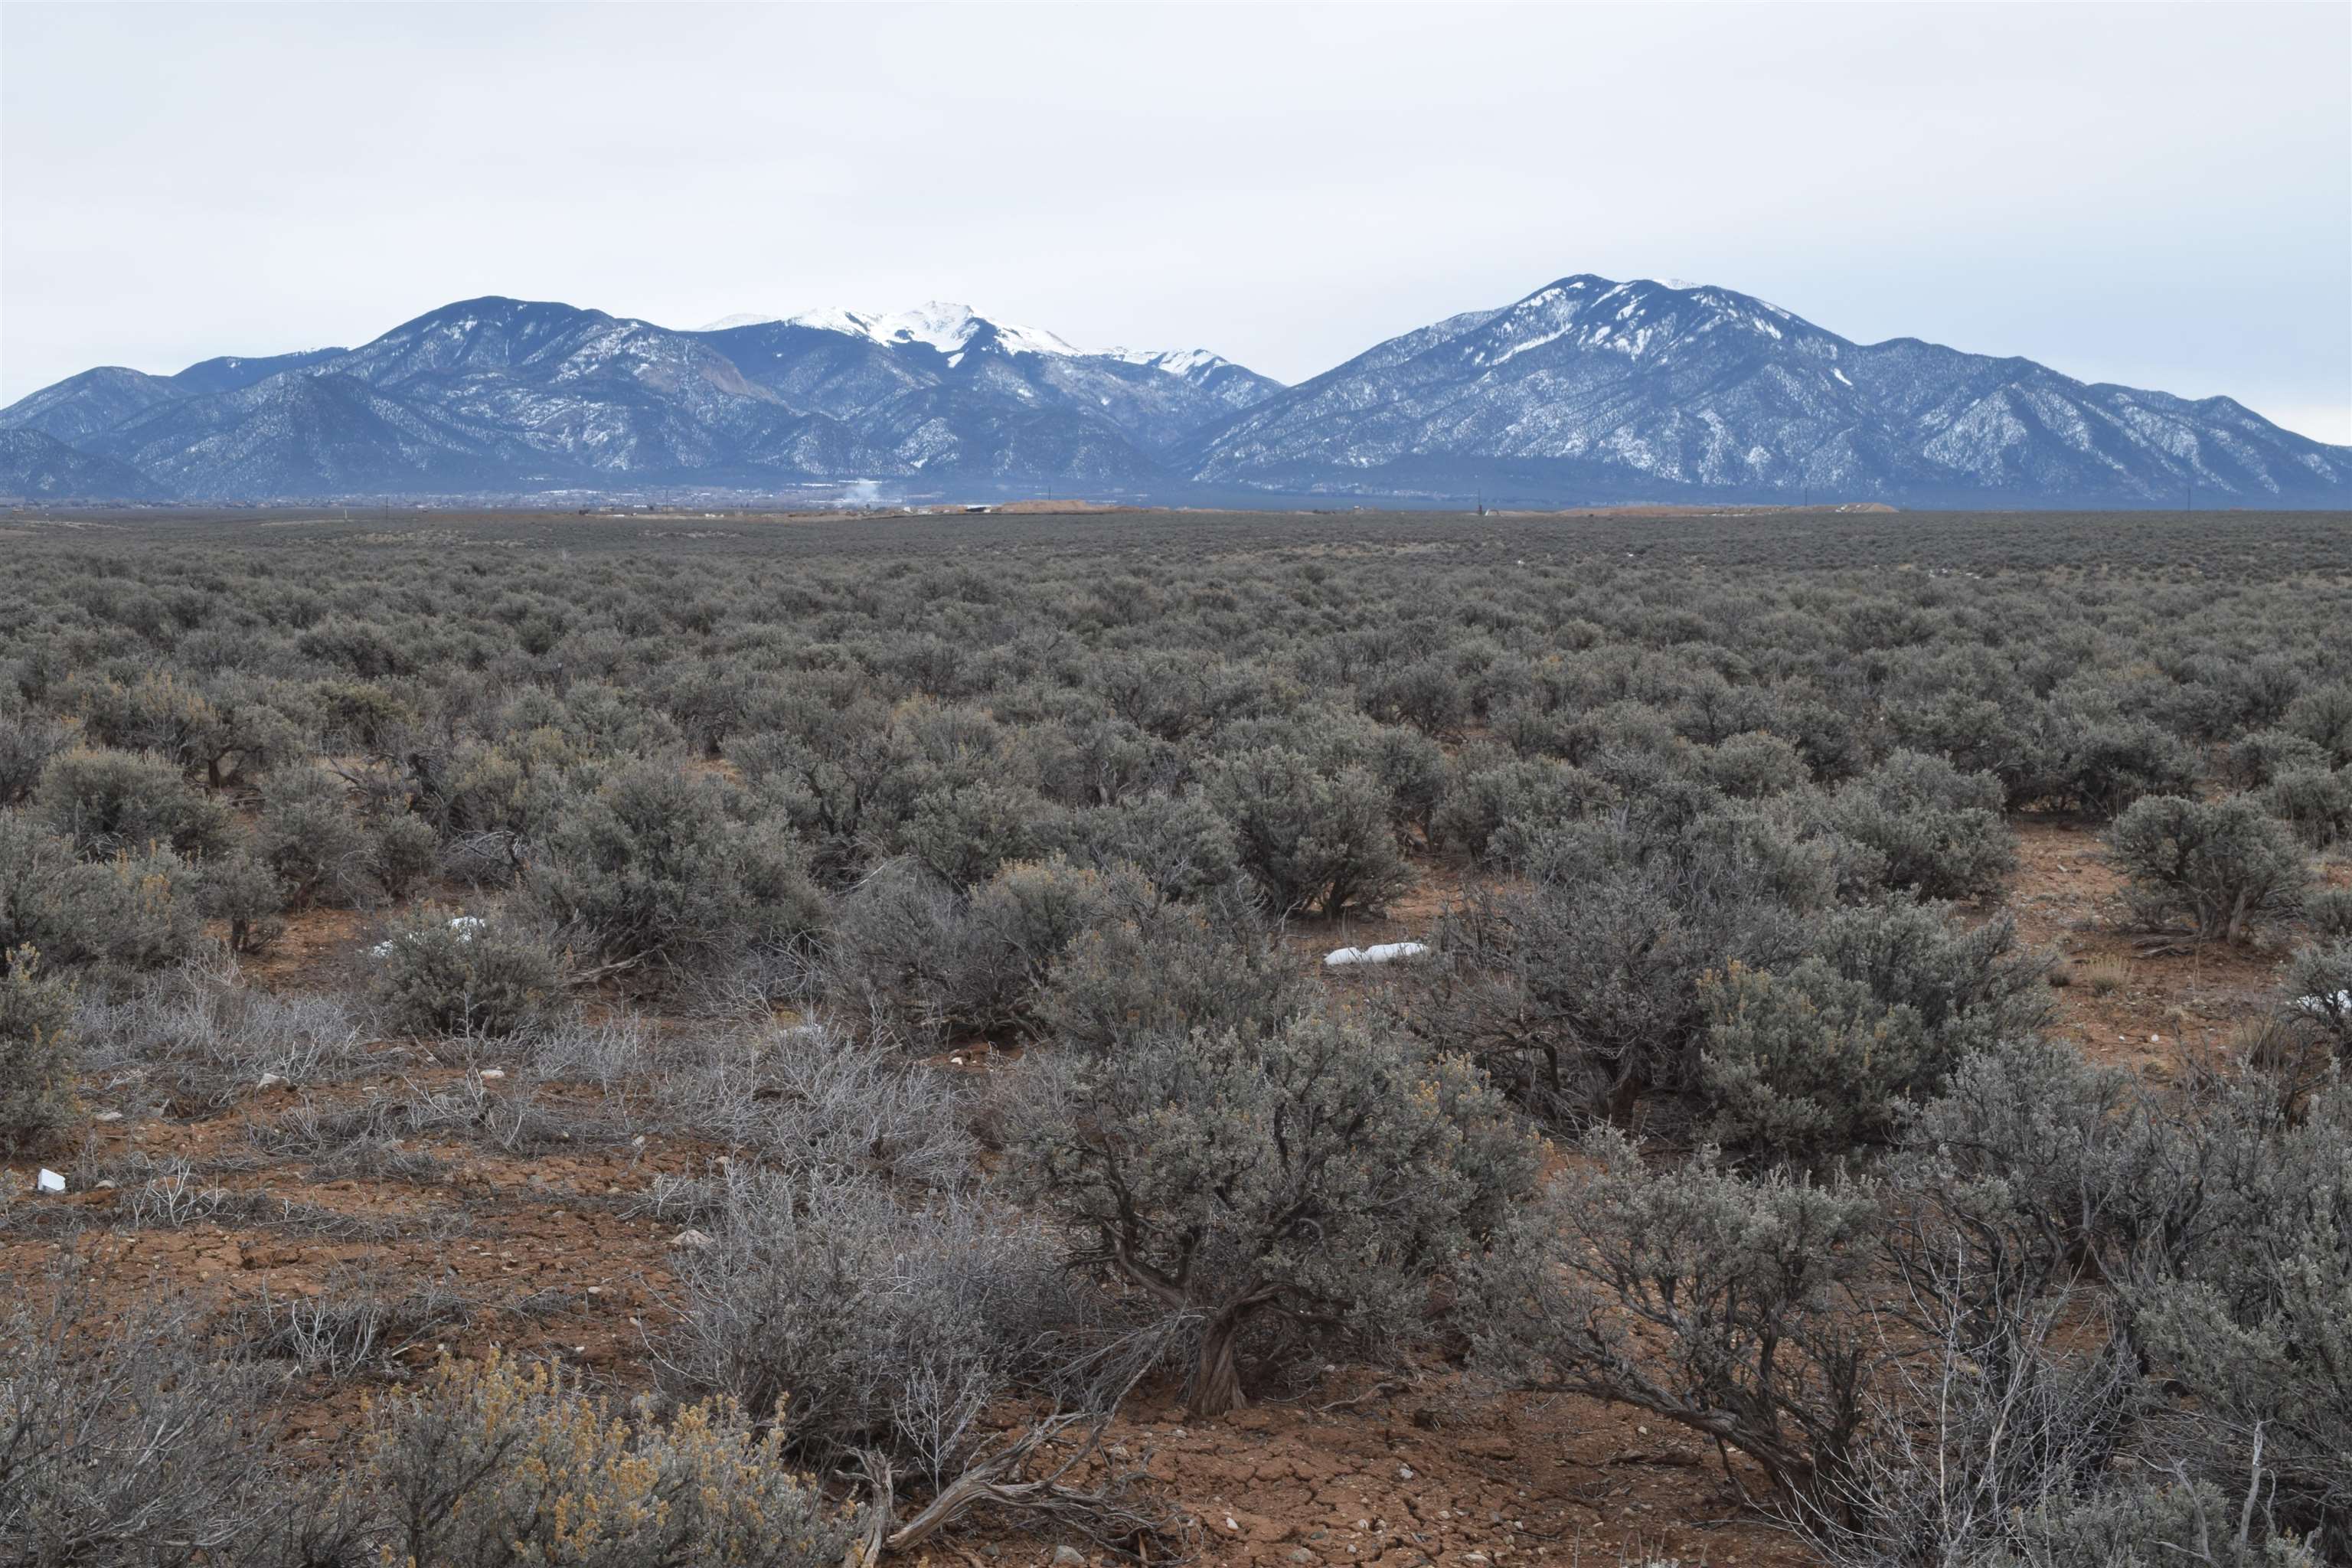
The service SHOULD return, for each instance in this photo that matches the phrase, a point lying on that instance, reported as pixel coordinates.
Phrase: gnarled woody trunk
(1216, 1375)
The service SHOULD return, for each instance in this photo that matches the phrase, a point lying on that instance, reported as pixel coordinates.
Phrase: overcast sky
(2156, 195)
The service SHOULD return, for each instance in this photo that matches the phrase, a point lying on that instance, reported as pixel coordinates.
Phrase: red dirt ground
(1406, 1472)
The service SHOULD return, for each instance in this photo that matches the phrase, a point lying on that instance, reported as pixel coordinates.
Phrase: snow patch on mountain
(1175, 362)
(943, 325)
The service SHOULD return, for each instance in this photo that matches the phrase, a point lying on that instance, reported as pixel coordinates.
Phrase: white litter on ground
(48, 1181)
(464, 925)
(1384, 952)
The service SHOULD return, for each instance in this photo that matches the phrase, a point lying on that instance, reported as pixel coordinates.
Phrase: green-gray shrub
(37, 1050)
(2316, 803)
(2328, 910)
(1315, 841)
(126, 915)
(653, 869)
(1733, 1308)
(1940, 830)
(439, 975)
(310, 837)
(1315, 1179)
(2221, 865)
(108, 802)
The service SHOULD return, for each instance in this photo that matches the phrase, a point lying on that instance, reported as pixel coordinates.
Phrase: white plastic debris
(269, 1080)
(1383, 953)
(48, 1181)
(108, 1116)
(492, 1075)
(464, 925)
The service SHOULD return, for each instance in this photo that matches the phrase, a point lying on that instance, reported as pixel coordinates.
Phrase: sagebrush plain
(670, 1038)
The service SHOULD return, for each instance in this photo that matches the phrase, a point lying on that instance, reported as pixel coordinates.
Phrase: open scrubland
(666, 1040)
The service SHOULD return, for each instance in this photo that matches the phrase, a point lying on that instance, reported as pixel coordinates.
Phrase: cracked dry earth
(549, 1251)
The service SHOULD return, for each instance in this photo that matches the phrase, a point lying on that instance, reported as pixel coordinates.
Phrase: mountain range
(1586, 390)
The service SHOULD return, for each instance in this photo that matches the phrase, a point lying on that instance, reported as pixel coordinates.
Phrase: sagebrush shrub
(403, 851)
(37, 1050)
(28, 740)
(213, 739)
(1753, 765)
(1178, 843)
(132, 913)
(2257, 759)
(2329, 913)
(243, 892)
(110, 803)
(916, 961)
(2323, 716)
(1315, 1178)
(2316, 803)
(2319, 988)
(2221, 865)
(653, 869)
(891, 1327)
(1940, 830)
(1168, 970)
(2106, 767)
(964, 833)
(1813, 1061)
(490, 1464)
(1725, 1305)
(440, 974)
(1578, 991)
(135, 1445)
(1495, 804)
(1315, 841)
(310, 837)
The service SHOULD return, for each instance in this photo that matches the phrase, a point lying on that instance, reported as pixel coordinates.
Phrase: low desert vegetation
(902, 951)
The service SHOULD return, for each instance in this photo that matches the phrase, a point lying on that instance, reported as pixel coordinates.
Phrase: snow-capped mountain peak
(938, 323)
(950, 329)
(1175, 362)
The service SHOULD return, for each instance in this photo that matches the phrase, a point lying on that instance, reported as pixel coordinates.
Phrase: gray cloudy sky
(2157, 195)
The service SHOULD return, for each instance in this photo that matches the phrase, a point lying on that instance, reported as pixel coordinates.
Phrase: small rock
(106, 1186)
(1069, 1557)
(1300, 1554)
(269, 1080)
(1405, 1472)
(694, 1240)
(491, 1075)
(108, 1116)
